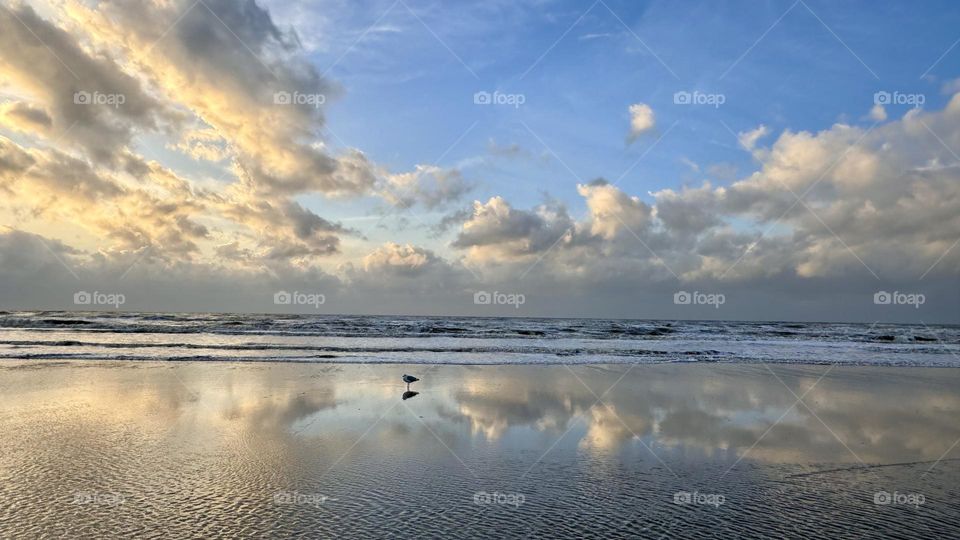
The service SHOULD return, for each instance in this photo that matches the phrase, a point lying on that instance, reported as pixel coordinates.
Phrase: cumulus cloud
(612, 211)
(641, 120)
(497, 232)
(883, 201)
(221, 83)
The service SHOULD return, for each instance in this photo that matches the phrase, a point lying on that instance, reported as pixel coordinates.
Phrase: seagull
(409, 379)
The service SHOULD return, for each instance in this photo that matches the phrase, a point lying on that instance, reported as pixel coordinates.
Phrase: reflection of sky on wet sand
(207, 434)
(883, 415)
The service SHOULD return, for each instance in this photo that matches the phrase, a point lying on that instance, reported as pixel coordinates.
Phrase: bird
(409, 379)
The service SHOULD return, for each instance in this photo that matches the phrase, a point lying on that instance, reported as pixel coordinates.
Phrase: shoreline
(337, 361)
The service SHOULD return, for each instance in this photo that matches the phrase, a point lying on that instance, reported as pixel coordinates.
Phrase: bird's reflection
(409, 394)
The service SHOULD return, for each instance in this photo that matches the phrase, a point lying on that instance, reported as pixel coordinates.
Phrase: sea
(59, 335)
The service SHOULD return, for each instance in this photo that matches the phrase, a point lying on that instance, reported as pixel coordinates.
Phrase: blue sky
(407, 98)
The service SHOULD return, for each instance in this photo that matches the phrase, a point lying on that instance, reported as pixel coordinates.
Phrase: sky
(780, 160)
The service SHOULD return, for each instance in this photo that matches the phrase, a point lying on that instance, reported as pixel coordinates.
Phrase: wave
(464, 340)
(480, 328)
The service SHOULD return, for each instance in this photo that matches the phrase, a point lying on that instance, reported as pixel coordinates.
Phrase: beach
(416, 269)
(199, 449)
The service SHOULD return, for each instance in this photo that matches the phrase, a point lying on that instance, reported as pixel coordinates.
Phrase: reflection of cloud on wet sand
(881, 417)
(258, 399)
(884, 415)
(492, 414)
(609, 428)
(279, 412)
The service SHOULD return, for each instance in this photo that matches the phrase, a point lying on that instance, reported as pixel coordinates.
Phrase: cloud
(885, 202)
(50, 65)
(407, 278)
(613, 212)
(748, 139)
(592, 36)
(25, 117)
(203, 80)
(951, 87)
(206, 79)
(427, 185)
(878, 113)
(641, 120)
(496, 232)
(689, 212)
(51, 186)
(260, 100)
(406, 259)
(512, 150)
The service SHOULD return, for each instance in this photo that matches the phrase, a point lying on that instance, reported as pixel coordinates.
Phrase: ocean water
(142, 449)
(465, 340)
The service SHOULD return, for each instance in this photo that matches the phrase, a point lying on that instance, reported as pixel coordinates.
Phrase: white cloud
(951, 87)
(748, 139)
(642, 120)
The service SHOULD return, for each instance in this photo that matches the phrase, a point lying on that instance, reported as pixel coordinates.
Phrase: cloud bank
(92, 199)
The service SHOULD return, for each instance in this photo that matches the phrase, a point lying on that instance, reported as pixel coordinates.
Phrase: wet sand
(204, 450)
